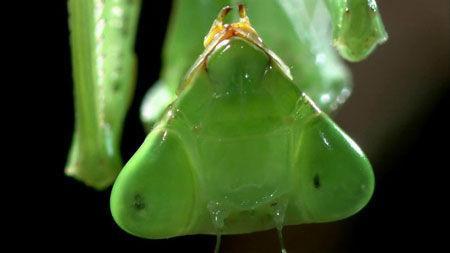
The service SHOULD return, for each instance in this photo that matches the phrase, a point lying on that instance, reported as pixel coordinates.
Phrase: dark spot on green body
(116, 86)
(138, 202)
(316, 181)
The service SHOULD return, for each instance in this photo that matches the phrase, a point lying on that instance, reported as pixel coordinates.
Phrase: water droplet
(164, 136)
(325, 140)
(218, 242)
(373, 5)
(218, 215)
(171, 114)
(279, 209)
(281, 239)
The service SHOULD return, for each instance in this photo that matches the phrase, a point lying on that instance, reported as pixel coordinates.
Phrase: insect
(102, 40)
(241, 149)
(102, 37)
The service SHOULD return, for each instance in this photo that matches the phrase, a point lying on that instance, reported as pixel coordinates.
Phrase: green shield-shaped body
(241, 149)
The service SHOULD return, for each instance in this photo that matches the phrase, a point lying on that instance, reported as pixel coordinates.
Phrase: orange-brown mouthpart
(226, 31)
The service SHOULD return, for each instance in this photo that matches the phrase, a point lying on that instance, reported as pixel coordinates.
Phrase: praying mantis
(242, 142)
(241, 149)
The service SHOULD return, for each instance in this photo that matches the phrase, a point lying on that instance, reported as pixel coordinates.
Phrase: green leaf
(104, 65)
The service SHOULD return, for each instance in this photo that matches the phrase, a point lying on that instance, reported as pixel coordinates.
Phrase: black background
(407, 211)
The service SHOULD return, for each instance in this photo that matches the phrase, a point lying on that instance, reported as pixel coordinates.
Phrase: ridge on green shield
(102, 37)
(241, 149)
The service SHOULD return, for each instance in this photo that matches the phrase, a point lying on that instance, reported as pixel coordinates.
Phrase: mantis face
(241, 149)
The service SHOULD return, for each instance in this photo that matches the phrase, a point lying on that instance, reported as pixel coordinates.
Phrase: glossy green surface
(357, 27)
(297, 30)
(104, 65)
(241, 149)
